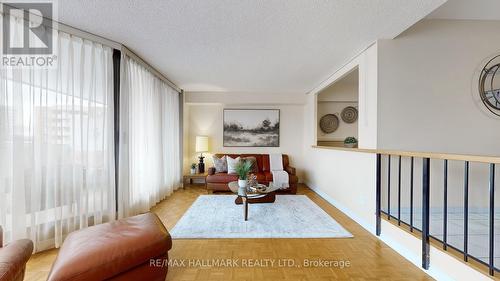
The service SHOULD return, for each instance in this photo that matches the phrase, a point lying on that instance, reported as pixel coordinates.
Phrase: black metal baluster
(492, 219)
(466, 209)
(411, 194)
(445, 205)
(425, 211)
(379, 191)
(399, 190)
(389, 187)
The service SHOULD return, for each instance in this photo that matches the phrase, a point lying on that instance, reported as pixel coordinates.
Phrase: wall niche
(333, 127)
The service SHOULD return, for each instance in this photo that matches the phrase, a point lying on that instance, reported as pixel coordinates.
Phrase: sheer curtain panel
(57, 145)
(149, 168)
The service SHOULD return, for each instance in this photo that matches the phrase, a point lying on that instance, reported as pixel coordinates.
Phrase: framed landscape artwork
(251, 127)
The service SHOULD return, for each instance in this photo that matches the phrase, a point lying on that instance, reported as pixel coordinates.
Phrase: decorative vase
(242, 183)
(193, 171)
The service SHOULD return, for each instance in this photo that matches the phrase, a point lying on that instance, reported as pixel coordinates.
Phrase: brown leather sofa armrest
(13, 259)
(211, 170)
(291, 170)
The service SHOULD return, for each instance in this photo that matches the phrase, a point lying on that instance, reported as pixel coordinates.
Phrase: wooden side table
(190, 177)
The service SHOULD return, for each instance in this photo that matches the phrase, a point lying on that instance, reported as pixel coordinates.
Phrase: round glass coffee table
(246, 196)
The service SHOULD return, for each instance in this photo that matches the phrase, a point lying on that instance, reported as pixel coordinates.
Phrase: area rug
(291, 216)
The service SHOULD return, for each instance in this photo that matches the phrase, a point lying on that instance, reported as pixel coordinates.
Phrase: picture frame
(251, 127)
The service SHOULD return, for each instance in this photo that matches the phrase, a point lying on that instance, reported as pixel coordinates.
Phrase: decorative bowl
(259, 188)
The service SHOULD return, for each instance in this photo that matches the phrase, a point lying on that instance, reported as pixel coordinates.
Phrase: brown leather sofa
(219, 181)
(134, 248)
(13, 258)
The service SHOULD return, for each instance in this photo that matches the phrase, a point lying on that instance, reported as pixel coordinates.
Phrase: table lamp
(201, 146)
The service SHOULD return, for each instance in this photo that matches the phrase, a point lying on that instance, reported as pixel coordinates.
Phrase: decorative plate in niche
(349, 114)
(329, 123)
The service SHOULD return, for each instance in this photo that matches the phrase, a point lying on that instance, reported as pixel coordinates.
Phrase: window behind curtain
(56, 144)
(149, 168)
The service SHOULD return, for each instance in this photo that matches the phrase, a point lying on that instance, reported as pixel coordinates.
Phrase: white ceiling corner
(468, 10)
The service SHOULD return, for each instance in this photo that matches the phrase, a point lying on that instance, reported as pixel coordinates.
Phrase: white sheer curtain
(149, 168)
(57, 145)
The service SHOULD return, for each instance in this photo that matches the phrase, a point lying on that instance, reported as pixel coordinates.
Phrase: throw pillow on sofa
(253, 169)
(231, 164)
(220, 164)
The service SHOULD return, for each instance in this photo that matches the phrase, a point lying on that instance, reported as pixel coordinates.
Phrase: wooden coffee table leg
(268, 198)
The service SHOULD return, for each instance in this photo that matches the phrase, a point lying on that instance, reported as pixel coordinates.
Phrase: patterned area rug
(291, 216)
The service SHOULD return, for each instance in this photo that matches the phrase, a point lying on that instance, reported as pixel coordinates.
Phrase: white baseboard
(370, 227)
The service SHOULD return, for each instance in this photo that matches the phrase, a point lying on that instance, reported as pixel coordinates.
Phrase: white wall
(205, 118)
(427, 90)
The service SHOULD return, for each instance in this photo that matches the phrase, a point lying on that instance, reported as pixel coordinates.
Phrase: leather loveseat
(13, 258)
(219, 181)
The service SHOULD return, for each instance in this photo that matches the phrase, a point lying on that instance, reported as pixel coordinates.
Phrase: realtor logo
(28, 34)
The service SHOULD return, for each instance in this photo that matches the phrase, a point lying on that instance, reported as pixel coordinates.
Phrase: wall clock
(489, 85)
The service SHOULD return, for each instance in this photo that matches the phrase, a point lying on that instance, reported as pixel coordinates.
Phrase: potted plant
(242, 169)
(350, 142)
(193, 168)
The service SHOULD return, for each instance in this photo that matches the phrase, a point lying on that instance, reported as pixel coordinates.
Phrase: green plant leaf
(350, 140)
(243, 168)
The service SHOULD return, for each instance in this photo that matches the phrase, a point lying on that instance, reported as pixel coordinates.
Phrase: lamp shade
(201, 144)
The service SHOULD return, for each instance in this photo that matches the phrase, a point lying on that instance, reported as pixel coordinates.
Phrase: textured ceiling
(468, 10)
(286, 46)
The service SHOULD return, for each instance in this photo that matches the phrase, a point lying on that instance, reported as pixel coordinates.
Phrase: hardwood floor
(369, 258)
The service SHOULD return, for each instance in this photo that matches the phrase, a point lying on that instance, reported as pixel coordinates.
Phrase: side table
(190, 177)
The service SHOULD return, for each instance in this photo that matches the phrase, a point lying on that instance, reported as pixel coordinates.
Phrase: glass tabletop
(249, 193)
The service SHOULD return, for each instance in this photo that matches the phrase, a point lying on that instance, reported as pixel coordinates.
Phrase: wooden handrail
(418, 154)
